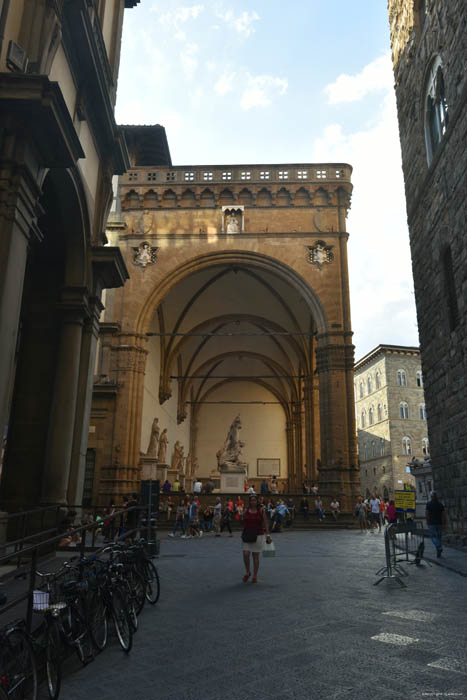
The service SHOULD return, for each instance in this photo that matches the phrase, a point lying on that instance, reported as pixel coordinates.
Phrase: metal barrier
(401, 542)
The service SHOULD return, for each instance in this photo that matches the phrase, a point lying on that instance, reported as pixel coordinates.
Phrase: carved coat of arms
(319, 254)
(144, 254)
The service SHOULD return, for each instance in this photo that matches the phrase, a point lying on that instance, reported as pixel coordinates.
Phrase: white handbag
(269, 550)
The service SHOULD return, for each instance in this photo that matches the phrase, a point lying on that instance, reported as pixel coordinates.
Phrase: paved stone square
(314, 626)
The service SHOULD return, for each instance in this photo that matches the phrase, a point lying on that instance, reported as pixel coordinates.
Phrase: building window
(381, 448)
(373, 448)
(170, 176)
(404, 409)
(363, 421)
(361, 389)
(321, 174)
(425, 446)
(365, 451)
(207, 176)
(152, 177)
(132, 177)
(227, 175)
(378, 379)
(371, 416)
(436, 109)
(302, 174)
(450, 287)
(422, 411)
(370, 385)
(419, 378)
(283, 174)
(380, 412)
(245, 175)
(406, 446)
(189, 177)
(401, 377)
(264, 175)
(339, 174)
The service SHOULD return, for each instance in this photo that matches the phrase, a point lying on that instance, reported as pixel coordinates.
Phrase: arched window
(406, 446)
(436, 109)
(425, 446)
(422, 411)
(378, 379)
(365, 451)
(380, 412)
(419, 378)
(363, 419)
(381, 447)
(373, 448)
(371, 415)
(361, 389)
(401, 377)
(404, 409)
(369, 385)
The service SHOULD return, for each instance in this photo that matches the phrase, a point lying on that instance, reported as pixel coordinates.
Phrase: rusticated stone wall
(422, 34)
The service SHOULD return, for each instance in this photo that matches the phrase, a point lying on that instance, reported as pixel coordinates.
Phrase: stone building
(391, 417)
(429, 50)
(237, 303)
(59, 149)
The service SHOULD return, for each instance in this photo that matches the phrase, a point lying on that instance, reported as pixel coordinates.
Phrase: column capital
(331, 356)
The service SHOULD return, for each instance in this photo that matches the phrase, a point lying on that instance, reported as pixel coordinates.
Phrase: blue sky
(263, 81)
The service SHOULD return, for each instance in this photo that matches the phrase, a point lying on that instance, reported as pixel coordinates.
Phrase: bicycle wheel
(130, 603)
(19, 672)
(138, 589)
(153, 586)
(3, 694)
(123, 628)
(81, 636)
(97, 612)
(53, 659)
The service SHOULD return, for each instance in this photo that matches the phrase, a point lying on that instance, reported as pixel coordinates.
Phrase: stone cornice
(109, 266)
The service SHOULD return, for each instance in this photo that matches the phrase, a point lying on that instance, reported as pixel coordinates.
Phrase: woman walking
(255, 526)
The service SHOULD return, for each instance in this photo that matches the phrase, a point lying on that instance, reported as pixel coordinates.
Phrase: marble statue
(154, 439)
(229, 456)
(177, 457)
(233, 225)
(162, 451)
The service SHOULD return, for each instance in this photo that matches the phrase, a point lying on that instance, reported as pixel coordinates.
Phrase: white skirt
(257, 546)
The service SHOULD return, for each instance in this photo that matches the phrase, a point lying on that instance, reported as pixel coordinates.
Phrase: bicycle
(18, 672)
(148, 571)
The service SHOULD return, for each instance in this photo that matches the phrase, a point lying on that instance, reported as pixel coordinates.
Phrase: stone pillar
(338, 445)
(297, 427)
(84, 400)
(289, 431)
(19, 194)
(309, 421)
(63, 411)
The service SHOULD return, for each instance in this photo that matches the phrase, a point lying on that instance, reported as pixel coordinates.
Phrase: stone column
(297, 426)
(63, 412)
(289, 431)
(309, 421)
(84, 400)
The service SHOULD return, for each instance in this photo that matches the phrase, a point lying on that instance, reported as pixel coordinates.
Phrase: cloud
(375, 76)
(175, 17)
(180, 35)
(243, 23)
(382, 300)
(188, 59)
(224, 84)
(261, 90)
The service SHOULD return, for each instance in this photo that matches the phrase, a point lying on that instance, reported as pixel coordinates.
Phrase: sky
(264, 81)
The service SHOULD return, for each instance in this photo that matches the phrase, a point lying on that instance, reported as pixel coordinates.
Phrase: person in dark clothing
(264, 487)
(436, 521)
(226, 519)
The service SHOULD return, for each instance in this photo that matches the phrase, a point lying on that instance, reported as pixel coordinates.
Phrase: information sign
(404, 501)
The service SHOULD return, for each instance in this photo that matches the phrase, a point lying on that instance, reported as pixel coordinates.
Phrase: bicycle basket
(51, 599)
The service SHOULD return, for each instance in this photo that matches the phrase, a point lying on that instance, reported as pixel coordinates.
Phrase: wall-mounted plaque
(268, 467)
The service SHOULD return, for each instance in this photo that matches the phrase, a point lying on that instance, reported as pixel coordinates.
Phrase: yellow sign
(404, 500)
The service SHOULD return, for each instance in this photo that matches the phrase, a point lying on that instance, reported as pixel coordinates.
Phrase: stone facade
(429, 44)
(390, 413)
(59, 149)
(237, 302)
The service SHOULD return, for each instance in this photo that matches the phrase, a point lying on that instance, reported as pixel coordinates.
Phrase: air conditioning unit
(16, 58)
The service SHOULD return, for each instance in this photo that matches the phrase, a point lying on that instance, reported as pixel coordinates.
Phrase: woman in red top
(254, 520)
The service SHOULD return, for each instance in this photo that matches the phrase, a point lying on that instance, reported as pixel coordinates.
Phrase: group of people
(194, 520)
(374, 512)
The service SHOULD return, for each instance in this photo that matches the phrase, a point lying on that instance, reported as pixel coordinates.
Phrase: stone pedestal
(232, 481)
(149, 468)
(161, 472)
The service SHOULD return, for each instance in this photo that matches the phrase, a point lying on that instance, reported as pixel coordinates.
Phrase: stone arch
(264, 198)
(169, 198)
(150, 199)
(283, 198)
(131, 200)
(245, 196)
(302, 198)
(208, 198)
(188, 198)
(226, 197)
(320, 197)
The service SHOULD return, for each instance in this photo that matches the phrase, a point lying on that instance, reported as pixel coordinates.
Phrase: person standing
(374, 511)
(264, 488)
(360, 512)
(436, 521)
(304, 507)
(176, 485)
(335, 508)
(216, 518)
(319, 510)
(255, 528)
(179, 518)
(391, 513)
(197, 486)
(226, 519)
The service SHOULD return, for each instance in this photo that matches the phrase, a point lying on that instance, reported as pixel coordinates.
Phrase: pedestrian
(216, 519)
(304, 507)
(382, 510)
(436, 521)
(264, 487)
(361, 513)
(197, 486)
(305, 489)
(391, 513)
(335, 508)
(239, 507)
(280, 516)
(374, 512)
(274, 486)
(179, 518)
(209, 487)
(226, 519)
(193, 529)
(176, 485)
(166, 486)
(255, 527)
(251, 490)
(207, 519)
(319, 510)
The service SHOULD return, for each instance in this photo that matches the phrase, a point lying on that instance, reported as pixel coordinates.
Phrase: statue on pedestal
(162, 451)
(177, 457)
(154, 439)
(229, 456)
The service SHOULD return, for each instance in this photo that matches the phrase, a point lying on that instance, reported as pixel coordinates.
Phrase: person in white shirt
(334, 505)
(374, 512)
(251, 490)
(197, 486)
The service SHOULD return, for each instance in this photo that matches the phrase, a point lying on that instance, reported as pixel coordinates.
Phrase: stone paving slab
(304, 631)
